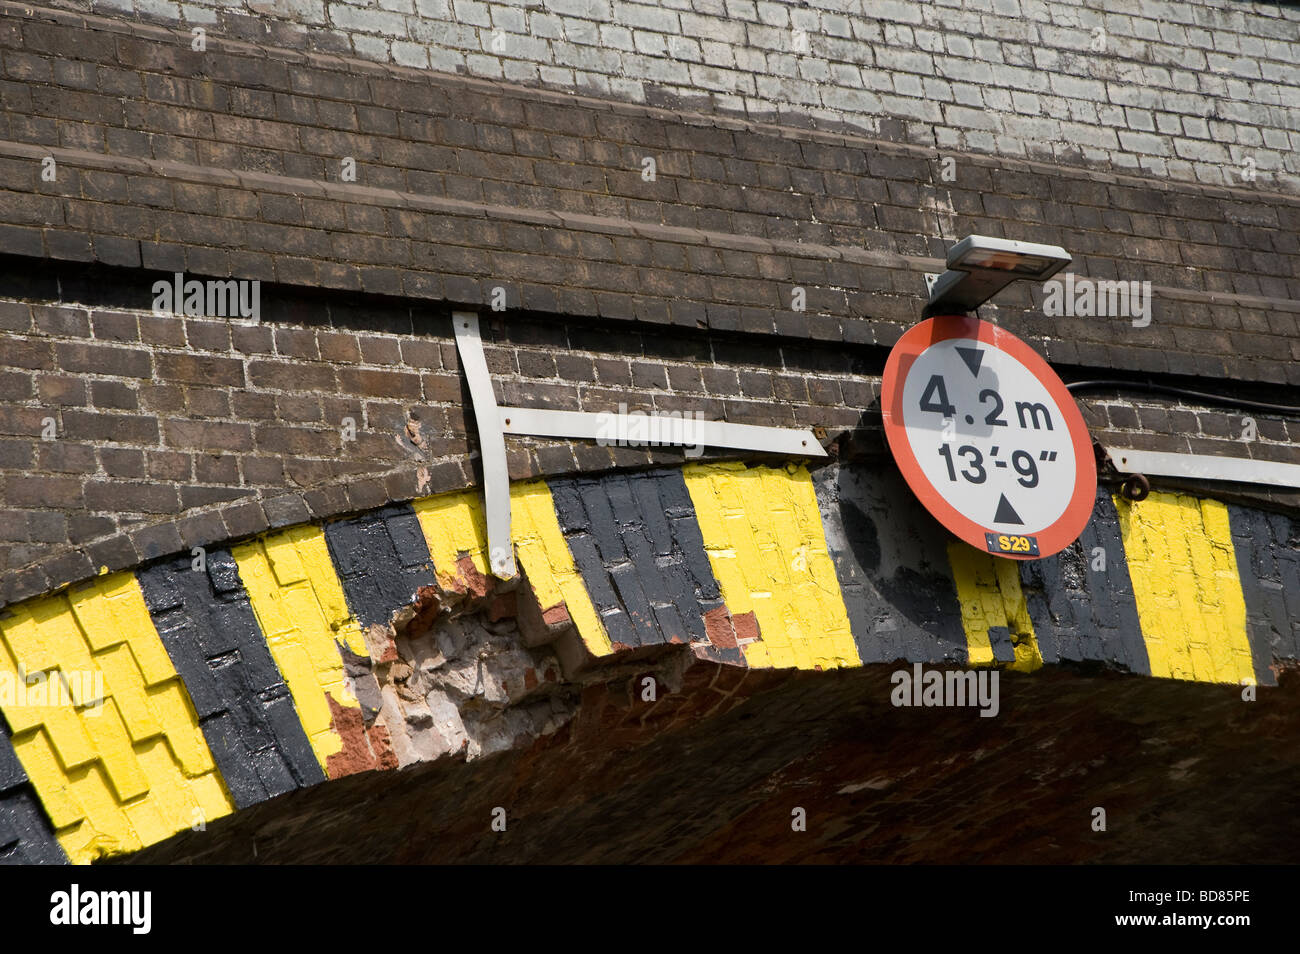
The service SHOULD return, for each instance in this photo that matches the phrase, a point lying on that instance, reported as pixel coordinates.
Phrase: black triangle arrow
(973, 357)
(1007, 513)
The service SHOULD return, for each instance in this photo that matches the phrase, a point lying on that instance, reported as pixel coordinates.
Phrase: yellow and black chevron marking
(191, 691)
(127, 766)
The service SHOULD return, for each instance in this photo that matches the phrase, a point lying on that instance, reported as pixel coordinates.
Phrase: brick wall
(675, 294)
(1186, 90)
(171, 433)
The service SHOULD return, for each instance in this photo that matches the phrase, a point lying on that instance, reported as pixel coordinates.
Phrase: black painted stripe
(382, 559)
(1081, 613)
(1267, 546)
(247, 714)
(891, 560)
(635, 541)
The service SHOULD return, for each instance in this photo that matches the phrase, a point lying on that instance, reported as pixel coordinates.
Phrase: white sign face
(988, 437)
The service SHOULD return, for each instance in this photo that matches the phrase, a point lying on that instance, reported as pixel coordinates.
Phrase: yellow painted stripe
(454, 527)
(763, 534)
(300, 605)
(1189, 599)
(119, 774)
(988, 589)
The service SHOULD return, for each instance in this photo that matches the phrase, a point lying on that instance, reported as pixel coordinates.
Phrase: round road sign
(988, 437)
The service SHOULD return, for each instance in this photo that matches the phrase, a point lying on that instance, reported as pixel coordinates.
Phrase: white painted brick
(651, 44)
(398, 6)
(895, 10)
(846, 74)
(582, 32)
(1168, 124)
(774, 14)
(833, 25)
(877, 80)
(717, 54)
(368, 21)
(908, 85)
(545, 25)
(509, 19)
(1140, 119)
(446, 61)
(802, 19)
(851, 100)
(967, 95)
(747, 61)
(480, 64)
(783, 64)
(684, 48)
(768, 38)
(938, 90)
(616, 37)
(919, 109)
(556, 75)
(1143, 142)
(816, 70)
(584, 9)
(520, 71)
(199, 16)
(632, 90)
(410, 54)
(592, 83)
(370, 47)
(741, 9)
(434, 9)
(998, 100)
(932, 41)
(158, 8)
(638, 16)
(867, 31)
(961, 46)
(706, 28)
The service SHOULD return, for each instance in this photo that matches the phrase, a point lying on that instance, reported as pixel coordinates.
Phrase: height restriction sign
(988, 438)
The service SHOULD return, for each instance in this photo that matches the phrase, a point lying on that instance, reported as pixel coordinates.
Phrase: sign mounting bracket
(495, 422)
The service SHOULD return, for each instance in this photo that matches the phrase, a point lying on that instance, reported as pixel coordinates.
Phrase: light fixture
(980, 266)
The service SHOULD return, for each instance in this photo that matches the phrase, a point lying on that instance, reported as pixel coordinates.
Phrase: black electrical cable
(1149, 388)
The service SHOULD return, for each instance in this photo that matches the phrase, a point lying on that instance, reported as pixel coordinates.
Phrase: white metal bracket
(1204, 467)
(494, 422)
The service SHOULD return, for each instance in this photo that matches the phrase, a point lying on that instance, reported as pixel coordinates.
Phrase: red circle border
(1066, 529)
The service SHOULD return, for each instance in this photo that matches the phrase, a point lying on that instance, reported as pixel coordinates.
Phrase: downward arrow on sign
(973, 357)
